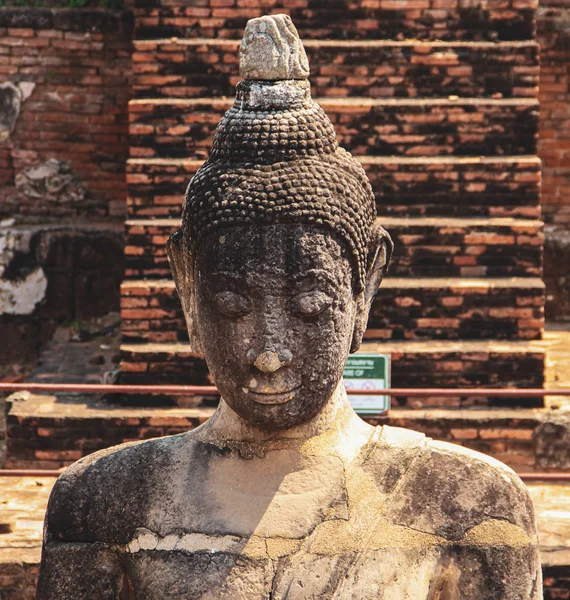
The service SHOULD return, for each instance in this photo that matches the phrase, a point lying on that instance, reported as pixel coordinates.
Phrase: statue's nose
(269, 361)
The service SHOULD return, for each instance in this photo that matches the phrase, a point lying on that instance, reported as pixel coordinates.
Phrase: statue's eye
(311, 304)
(232, 304)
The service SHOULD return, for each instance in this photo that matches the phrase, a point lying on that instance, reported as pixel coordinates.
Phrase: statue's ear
(182, 267)
(380, 248)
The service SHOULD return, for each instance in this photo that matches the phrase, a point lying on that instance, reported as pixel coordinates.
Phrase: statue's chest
(284, 496)
(293, 528)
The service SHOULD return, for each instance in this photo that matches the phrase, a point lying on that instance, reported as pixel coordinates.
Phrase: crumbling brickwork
(554, 142)
(79, 63)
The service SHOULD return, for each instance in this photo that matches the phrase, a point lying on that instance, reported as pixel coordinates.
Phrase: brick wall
(373, 68)
(343, 19)
(79, 61)
(554, 141)
(19, 569)
(182, 128)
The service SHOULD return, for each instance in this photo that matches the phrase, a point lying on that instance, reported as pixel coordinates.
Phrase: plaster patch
(184, 542)
(22, 296)
(26, 87)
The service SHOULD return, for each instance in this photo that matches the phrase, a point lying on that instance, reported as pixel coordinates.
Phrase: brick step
(414, 364)
(413, 309)
(60, 429)
(343, 19)
(424, 247)
(63, 430)
(195, 68)
(176, 128)
(51, 432)
(449, 186)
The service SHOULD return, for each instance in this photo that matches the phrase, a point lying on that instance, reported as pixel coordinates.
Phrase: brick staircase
(438, 100)
(446, 131)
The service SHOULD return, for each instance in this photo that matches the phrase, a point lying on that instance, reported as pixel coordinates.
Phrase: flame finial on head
(271, 50)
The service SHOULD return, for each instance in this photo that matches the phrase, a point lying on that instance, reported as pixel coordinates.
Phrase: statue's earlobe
(380, 248)
(182, 267)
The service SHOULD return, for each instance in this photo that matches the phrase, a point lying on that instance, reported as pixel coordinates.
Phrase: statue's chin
(273, 411)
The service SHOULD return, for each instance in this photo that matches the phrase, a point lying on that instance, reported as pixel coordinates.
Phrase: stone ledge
(412, 127)
(146, 45)
(396, 282)
(138, 105)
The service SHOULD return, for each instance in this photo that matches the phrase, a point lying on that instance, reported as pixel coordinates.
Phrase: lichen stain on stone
(279, 547)
(496, 532)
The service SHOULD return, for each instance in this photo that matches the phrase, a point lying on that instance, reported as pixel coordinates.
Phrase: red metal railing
(529, 477)
(202, 390)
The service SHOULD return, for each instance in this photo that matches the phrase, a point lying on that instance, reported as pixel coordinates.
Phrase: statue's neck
(226, 424)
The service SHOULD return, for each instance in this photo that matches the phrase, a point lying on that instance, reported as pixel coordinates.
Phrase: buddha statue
(285, 493)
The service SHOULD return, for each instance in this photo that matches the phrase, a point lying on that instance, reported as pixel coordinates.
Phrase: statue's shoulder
(102, 496)
(447, 489)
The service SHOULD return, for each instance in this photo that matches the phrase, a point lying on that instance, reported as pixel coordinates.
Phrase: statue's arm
(76, 564)
(498, 573)
(497, 559)
(485, 513)
(79, 571)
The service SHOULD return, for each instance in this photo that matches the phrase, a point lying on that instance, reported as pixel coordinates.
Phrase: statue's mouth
(273, 397)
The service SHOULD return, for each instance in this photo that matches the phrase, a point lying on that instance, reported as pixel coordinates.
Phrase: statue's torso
(405, 518)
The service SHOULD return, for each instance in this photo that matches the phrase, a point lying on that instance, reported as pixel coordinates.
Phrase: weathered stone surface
(51, 181)
(10, 103)
(557, 272)
(271, 50)
(21, 289)
(19, 566)
(552, 440)
(54, 273)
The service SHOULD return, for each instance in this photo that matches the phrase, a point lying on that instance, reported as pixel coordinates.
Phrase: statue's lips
(277, 397)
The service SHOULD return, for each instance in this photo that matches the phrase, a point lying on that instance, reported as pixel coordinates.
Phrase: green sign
(368, 372)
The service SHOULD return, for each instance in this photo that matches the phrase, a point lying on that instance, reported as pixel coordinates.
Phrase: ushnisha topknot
(275, 157)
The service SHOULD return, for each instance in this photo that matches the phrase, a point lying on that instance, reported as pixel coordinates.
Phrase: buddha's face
(275, 314)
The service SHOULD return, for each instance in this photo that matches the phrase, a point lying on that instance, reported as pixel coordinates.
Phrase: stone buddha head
(279, 255)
